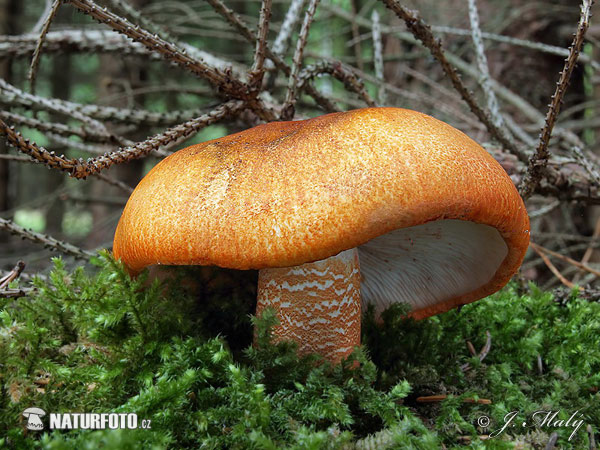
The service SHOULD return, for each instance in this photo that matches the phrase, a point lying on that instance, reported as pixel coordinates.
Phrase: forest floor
(95, 341)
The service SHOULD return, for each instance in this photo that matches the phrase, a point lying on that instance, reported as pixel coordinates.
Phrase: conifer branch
(82, 169)
(292, 17)
(100, 41)
(482, 65)
(45, 240)
(234, 20)
(257, 72)
(422, 32)
(539, 160)
(378, 55)
(339, 71)
(224, 81)
(288, 110)
(40, 42)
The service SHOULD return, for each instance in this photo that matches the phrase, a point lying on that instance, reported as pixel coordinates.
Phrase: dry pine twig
(442, 397)
(539, 160)
(288, 110)
(47, 241)
(339, 71)
(257, 73)
(564, 258)
(40, 42)
(482, 353)
(78, 168)
(423, 32)
(222, 80)
(233, 19)
(12, 275)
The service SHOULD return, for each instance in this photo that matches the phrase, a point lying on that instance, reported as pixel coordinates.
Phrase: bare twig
(40, 22)
(102, 41)
(552, 267)
(482, 353)
(16, 158)
(140, 18)
(16, 293)
(422, 32)
(61, 129)
(378, 55)
(12, 275)
(288, 110)
(15, 97)
(590, 432)
(292, 17)
(539, 160)
(539, 46)
(257, 73)
(117, 183)
(40, 154)
(586, 164)
(471, 348)
(243, 29)
(544, 209)
(590, 250)
(159, 45)
(222, 80)
(356, 37)
(47, 241)
(442, 397)
(40, 42)
(482, 64)
(564, 258)
(54, 106)
(339, 71)
(83, 169)
(485, 350)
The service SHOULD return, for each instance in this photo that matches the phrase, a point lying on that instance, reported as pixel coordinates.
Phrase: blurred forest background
(72, 85)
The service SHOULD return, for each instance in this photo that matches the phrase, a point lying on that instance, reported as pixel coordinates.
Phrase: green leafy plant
(104, 342)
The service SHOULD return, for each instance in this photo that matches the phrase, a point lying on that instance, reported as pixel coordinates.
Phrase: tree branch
(40, 42)
(422, 32)
(82, 169)
(288, 110)
(539, 160)
(47, 241)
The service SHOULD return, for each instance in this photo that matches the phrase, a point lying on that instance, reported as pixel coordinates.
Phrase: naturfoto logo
(34, 418)
(84, 421)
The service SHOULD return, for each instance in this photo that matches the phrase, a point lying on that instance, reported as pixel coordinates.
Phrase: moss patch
(104, 343)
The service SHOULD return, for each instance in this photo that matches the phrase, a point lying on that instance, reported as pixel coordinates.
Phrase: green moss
(106, 343)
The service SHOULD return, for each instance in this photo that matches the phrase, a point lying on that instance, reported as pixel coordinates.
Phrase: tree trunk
(9, 12)
(61, 88)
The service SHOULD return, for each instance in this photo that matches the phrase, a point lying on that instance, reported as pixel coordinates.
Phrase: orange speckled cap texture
(287, 193)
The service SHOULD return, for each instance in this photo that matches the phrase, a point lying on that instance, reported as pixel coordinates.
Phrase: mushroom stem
(317, 304)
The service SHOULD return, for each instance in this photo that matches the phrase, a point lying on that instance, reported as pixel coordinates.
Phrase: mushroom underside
(428, 264)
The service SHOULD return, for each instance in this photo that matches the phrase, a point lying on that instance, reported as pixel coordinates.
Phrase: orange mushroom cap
(287, 193)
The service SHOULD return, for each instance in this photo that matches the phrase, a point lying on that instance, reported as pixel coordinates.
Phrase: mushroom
(380, 204)
(34, 421)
